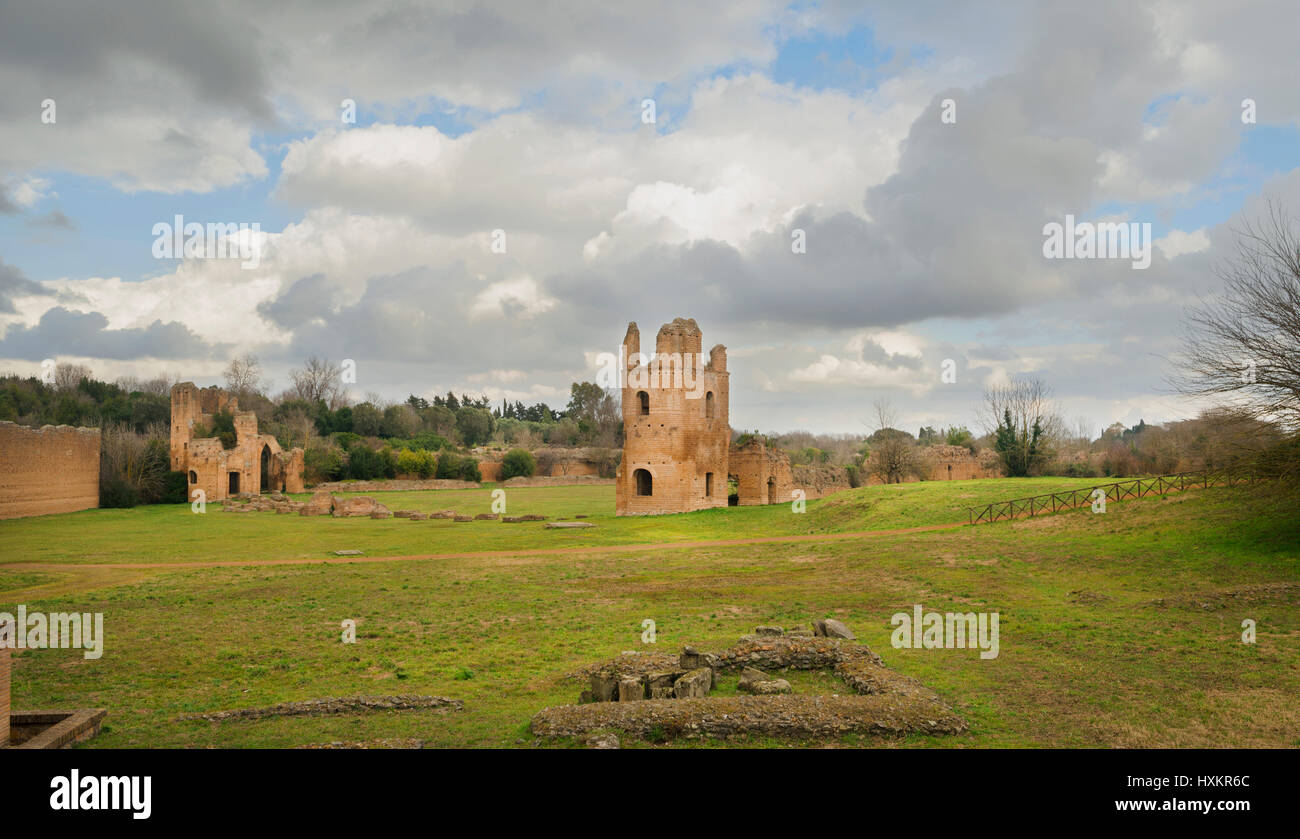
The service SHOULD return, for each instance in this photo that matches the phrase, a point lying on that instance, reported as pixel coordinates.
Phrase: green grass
(175, 534)
(1089, 657)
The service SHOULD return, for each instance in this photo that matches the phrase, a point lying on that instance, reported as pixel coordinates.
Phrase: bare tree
(1024, 423)
(1246, 344)
(244, 377)
(893, 452)
(320, 380)
(68, 376)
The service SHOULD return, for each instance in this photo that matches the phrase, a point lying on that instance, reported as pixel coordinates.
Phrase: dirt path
(590, 549)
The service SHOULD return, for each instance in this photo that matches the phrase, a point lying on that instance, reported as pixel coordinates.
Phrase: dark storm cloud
(71, 44)
(13, 283)
(64, 333)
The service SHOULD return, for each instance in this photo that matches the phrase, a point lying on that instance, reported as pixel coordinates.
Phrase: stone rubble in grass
(655, 695)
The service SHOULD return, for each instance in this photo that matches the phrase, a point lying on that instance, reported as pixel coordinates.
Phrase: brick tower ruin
(255, 464)
(676, 430)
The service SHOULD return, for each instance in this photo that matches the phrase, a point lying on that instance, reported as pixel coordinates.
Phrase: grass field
(1120, 629)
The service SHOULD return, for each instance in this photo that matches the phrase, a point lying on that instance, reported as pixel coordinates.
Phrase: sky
(846, 195)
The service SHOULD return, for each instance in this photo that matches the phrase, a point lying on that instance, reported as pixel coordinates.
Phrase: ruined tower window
(771, 490)
(708, 480)
(234, 483)
(644, 484)
(708, 405)
(194, 477)
(644, 399)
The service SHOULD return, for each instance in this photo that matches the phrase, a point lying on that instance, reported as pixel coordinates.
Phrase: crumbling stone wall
(820, 481)
(221, 472)
(957, 463)
(52, 469)
(676, 431)
(763, 475)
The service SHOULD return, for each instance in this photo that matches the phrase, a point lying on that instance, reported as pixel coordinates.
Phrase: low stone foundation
(658, 695)
(791, 716)
(53, 729)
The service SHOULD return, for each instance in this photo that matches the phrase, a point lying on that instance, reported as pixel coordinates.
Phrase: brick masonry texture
(53, 469)
(676, 434)
(255, 460)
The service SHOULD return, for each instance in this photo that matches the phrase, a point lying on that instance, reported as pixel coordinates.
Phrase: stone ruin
(657, 695)
(677, 449)
(256, 464)
(325, 503)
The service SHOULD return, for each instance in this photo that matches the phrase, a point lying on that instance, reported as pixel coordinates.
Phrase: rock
(443, 514)
(604, 687)
(380, 514)
(661, 685)
(463, 518)
(819, 628)
(533, 517)
(692, 659)
(512, 519)
(402, 514)
(750, 676)
(694, 684)
(358, 506)
(835, 629)
(631, 689)
(771, 687)
(418, 516)
(769, 630)
(321, 504)
(486, 517)
(601, 740)
(567, 525)
(755, 681)
(347, 553)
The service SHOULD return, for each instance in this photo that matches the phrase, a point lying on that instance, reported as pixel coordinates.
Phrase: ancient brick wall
(676, 432)
(54, 469)
(763, 475)
(820, 481)
(950, 463)
(221, 472)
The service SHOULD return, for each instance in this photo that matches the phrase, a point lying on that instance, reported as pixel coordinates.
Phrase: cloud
(61, 332)
(1178, 242)
(13, 283)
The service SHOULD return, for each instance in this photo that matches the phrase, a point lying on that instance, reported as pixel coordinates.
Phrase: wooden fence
(1083, 497)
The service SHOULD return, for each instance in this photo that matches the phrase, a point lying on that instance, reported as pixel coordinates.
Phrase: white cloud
(1178, 242)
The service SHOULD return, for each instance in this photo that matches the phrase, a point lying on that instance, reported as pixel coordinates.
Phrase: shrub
(449, 466)
(117, 492)
(175, 489)
(518, 463)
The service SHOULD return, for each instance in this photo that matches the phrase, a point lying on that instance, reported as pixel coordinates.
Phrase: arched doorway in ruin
(644, 483)
(265, 484)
